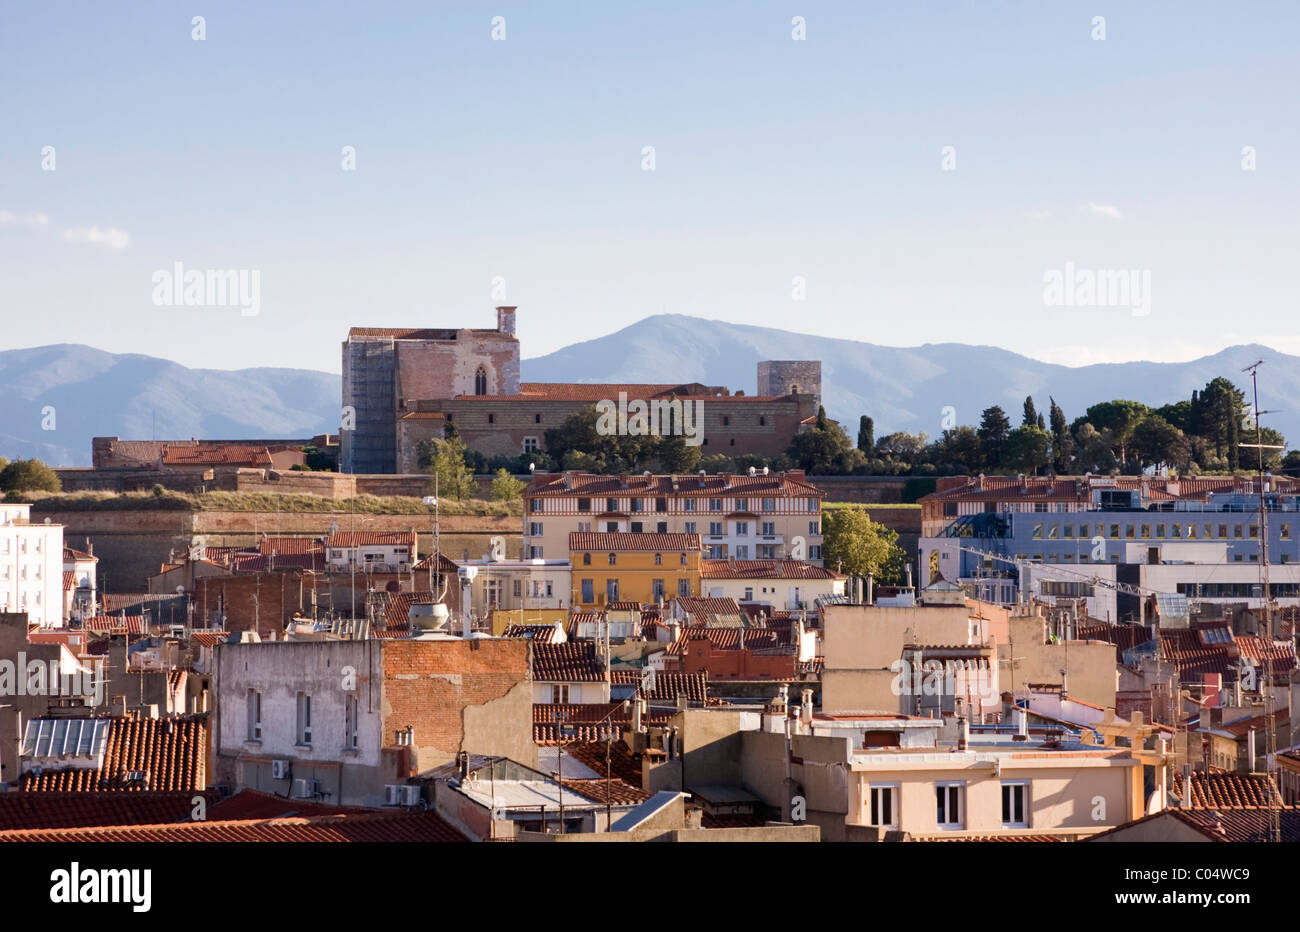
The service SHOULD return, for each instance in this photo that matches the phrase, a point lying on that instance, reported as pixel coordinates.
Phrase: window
(537, 419)
(351, 709)
(304, 719)
(742, 528)
(662, 527)
(480, 381)
(715, 528)
(657, 587)
(1114, 531)
(611, 527)
(749, 593)
(254, 715)
(636, 527)
(884, 806)
(1129, 531)
(948, 797)
(815, 528)
(1052, 530)
(683, 559)
(537, 506)
(1014, 810)
(584, 504)
(1284, 531)
(586, 559)
(535, 529)
(742, 504)
(1038, 532)
(725, 420)
(769, 529)
(684, 588)
(611, 504)
(492, 418)
(769, 504)
(815, 552)
(530, 444)
(742, 552)
(1236, 531)
(715, 504)
(661, 504)
(588, 592)
(611, 590)
(688, 504)
(560, 693)
(690, 527)
(613, 559)
(659, 559)
(637, 505)
(518, 588)
(762, 421)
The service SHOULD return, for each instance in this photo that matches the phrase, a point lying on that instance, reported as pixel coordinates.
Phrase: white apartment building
(31, 566)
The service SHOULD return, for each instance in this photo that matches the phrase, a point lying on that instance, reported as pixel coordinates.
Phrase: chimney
(1187, 787)
(1021, 719)
(506, 320)
(963, 733)
(806, 710)
(1250, 751)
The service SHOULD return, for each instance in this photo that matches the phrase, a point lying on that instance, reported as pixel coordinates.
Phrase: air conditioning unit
(410, 795)
(393, 794)
(280, 770)
(305, 789)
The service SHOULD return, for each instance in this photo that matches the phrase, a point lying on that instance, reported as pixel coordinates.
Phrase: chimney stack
(506, 320)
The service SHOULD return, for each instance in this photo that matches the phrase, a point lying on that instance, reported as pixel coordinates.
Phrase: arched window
(480, 381)
(794, 389)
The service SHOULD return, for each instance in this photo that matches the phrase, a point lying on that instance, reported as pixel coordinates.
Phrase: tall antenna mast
(1274, 815)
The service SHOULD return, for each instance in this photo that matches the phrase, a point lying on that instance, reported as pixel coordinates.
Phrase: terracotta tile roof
(69, 581)
(415, 333)
(76, 810)
(1124, 637)
(763, 569)
(264, 563)
(1031, 839)
(566, 663)
(668, 686)
(171, 752)
(705, 611)
(814, 667)
(346, 539)
(379, 827)
(115, 624)
(1184, 648)
(539, 633)
(618, 792)
(116, 602)
(623, 607)
(584, 485)
(623, 765)
(618, 542)
(287, 545)
(1227, 790)
(605, 391)
(399, 604)
(730, 638)
(1239, 825)
(1278, 656)
(209, 639)
(217, 455)
(77, 556)
(587, 722)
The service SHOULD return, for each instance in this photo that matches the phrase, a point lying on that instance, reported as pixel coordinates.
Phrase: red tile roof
(566, 663)
(69, 581)
(668, 686)
(287, 545)
(115, 624)
(618, 542)
(618, 792)
(1223, 789)
(76, 810)
(346, 539)
(584, 485)
(171, 752)
(253, 804)
(77, 556)
(731, 638)
(210, 639)
(623, 764)
(539, 633)
(704, 611)
(379, 827)
(763, 569)
(217, 455)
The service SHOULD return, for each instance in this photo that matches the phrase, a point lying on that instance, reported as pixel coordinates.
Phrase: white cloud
(1103, 210)
(34, 218)
(113, 239)
(1040, 214)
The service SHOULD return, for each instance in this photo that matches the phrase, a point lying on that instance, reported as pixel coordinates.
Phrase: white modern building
(31, 566)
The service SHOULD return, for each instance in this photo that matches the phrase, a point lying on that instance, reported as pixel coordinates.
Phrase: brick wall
(459, 695)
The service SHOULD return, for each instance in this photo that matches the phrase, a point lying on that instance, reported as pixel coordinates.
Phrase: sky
(798, 183)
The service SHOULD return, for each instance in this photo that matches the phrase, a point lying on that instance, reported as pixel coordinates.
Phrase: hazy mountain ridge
(907, 388)
(95, 393)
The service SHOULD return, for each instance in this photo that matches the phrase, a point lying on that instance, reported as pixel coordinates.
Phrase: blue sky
(774, 158)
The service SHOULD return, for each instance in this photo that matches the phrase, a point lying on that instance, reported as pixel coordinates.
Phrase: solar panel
(65, 737)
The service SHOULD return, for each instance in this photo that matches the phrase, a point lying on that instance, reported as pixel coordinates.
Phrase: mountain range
(94, 393)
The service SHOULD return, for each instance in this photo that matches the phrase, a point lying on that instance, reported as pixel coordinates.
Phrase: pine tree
(1031, 414)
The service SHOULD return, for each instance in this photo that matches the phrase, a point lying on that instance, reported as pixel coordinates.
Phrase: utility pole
(1270, 724)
